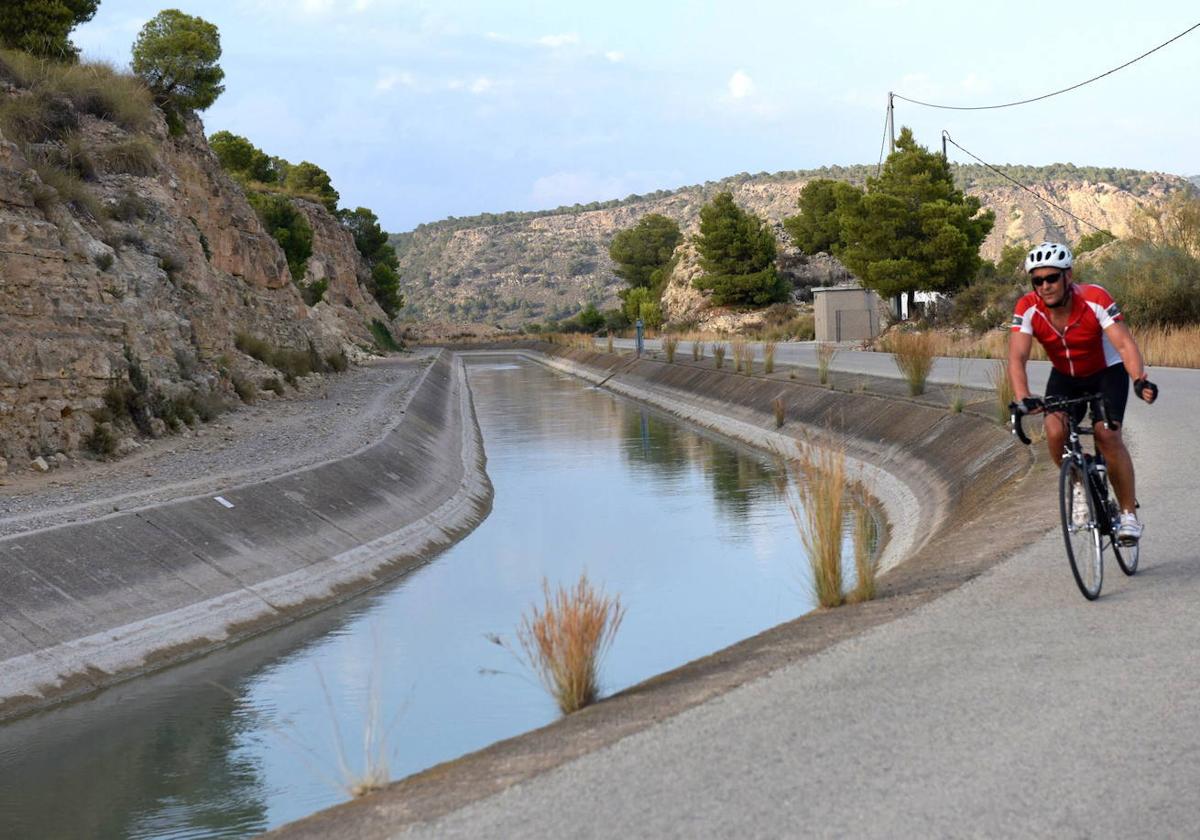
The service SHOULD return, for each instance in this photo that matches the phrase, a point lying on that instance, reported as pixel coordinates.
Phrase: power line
(947, 136)
(1048, 95)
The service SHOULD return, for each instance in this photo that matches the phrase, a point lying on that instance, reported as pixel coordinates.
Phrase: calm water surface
(687, 529)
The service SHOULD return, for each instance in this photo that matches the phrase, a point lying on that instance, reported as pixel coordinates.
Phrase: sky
(422, 110)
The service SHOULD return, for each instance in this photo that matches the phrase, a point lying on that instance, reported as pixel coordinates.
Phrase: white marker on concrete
(222, 500)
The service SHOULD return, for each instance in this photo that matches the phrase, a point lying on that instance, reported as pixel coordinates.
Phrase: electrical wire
(951, 140)
(1047, 95)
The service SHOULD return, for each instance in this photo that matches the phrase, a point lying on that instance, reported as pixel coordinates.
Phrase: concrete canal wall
(85, 605)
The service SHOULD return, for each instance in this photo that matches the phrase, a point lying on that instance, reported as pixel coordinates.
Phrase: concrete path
(1010, 707)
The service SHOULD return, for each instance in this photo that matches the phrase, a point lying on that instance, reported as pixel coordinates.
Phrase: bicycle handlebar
(1054, 404)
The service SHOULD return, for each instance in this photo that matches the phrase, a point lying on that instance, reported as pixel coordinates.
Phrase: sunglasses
(1049, 278)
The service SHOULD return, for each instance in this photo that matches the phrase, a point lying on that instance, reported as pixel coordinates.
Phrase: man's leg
(1056, 436)
(1120, 465)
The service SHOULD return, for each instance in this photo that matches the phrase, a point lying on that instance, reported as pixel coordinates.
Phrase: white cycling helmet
(1048, 255)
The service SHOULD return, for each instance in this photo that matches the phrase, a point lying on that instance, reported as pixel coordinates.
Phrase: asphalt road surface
(1011, 707)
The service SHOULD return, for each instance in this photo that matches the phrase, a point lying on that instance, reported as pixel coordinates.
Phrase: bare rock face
(345, 309)
(163, 279)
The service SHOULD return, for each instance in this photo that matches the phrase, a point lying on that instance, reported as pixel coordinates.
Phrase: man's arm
(1019, 345)
(1122, 341)
(1131, 356)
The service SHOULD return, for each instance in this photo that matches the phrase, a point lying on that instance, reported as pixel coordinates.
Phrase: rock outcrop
(158, 271)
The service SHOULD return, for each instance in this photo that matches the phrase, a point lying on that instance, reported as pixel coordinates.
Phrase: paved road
(1010, 707)
(970, 373)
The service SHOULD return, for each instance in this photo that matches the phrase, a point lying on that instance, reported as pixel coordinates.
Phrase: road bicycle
(1088, 507)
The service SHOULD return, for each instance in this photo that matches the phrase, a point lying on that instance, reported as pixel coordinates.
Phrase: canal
(688, 529)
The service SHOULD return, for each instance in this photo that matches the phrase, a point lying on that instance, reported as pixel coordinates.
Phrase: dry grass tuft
(718, 354)
(780, 413)
(866, 539)
(826, 350)
(739, 353)
(697, 350)
(670, 345)
(1002, 386)
(914, 354)
(608, 344)
(1170, 346)
(819, 474)
(768, 357)
(565, 640)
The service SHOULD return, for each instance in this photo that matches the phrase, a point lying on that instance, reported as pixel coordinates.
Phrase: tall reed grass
(778, 407)
(670, 345)
(697, 351)
(718, 354)
(866, 539)
(566, 638)
(768, 357)
(1003, 389)
(914, 354)
(826, 350)
(1170, 346)
(739, 353)
(818, 508)
(608, 344)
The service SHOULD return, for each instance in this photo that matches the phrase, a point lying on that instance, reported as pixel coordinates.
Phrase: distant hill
(1195, 179)
(512, 268)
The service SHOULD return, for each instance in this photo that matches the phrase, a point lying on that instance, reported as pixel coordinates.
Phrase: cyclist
(1092, 351)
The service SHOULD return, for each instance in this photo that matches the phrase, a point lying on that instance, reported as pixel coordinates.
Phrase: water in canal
(686, 528)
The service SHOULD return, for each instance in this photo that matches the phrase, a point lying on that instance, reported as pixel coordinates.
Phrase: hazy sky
(420, 110)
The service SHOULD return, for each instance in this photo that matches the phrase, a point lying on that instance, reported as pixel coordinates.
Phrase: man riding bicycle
(1092, 351)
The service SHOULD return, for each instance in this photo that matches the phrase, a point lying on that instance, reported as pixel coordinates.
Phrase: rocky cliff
(515, 268)
(140, 266)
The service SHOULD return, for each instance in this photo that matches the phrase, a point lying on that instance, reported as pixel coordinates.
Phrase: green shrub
(68, 189)
(1153, 284)
(244, 388)
(103, 439)
(287, 226)
(134, 156)
(384, 339)
(104, 261)
(274, 384)
(130, 206)
(313, 293)
(337, 361)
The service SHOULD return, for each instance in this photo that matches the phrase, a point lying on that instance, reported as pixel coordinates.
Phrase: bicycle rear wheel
(1081, 533)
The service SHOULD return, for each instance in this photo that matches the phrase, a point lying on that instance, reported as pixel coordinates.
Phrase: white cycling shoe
(1129, 530)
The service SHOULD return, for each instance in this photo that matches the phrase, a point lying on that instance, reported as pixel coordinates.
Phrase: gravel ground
(329, 418)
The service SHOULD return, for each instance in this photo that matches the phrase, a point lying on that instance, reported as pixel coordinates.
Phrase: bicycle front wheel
(1081, 531)
(1127, 556)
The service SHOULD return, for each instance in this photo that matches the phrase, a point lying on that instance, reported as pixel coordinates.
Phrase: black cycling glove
(1031, 404)
(1141, 386)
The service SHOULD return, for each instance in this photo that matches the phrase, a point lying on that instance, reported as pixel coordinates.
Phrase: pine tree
(737, 254)
(913, 229)
(43, 27)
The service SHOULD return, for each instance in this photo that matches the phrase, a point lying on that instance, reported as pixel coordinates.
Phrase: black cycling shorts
(1112, 382)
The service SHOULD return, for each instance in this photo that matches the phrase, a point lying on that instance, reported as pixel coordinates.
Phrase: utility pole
(945, 135)
(891, 121)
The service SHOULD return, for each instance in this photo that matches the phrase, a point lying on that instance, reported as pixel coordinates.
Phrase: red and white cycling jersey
(1082, 348)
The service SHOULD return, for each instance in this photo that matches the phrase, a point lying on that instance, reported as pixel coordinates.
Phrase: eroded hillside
(515, 268)
(130, 263)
